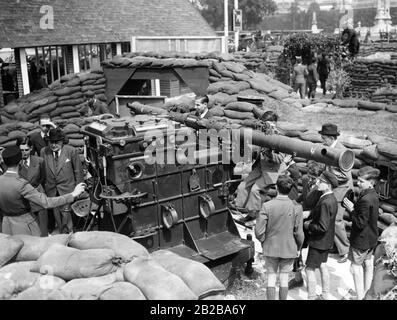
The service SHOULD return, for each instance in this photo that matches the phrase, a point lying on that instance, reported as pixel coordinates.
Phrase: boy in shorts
(320, 235)
(364, 233)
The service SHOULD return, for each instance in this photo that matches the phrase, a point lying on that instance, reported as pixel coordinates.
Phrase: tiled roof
(97, 21)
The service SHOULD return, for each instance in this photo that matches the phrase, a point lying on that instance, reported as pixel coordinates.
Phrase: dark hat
(330, 178)
(55, 134)
(11, 156)
(368, 172)
(329, 129)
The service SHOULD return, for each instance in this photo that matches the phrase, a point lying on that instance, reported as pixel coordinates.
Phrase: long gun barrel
(344, 159)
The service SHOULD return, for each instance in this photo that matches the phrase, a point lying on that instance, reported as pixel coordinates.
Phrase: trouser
(63, 218)
(301, 87)
(323, 81)
(43, 222)
(312, 90)
(251, 199)
(341, 241)
(25, 224)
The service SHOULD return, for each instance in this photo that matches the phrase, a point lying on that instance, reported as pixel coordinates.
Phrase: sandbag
(43, 110)
(20, 275)
(311, 136)
(239, 115)
(67, 91)
(9, 248)
(89, 76)
(371, 152)
(35, 293)
(90, 288)
(71, 102)
(214, 73)
(34, 247)
(354, 143)
(122, 291)
(155, 282)
(71, 128)
(261, 86)
(72, 82)
(234, 67)
(77, 136)
(122, 245)
(387, 207)
(291, 126)
(198, 277)
(69, 263)
(279, 94)
(16, 134)
(12, 107)
(216, 112)
(391, 108)
(69, 115)
(368, 105)
(7, 289)
(240, 106)
(61, 110)
(21, 116)
(76, 142)
(382, 282)
(388, 149)
(221, 98)
(387, 218)
(344, 103)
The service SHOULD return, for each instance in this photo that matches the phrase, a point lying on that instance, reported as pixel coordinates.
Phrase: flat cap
(368, 172)
(330, 178)
(11, 156)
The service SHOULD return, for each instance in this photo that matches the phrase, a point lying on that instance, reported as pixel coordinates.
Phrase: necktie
(25, 163)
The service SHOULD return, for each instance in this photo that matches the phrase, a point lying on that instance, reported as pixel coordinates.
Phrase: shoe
(343, 259)
(293, 283)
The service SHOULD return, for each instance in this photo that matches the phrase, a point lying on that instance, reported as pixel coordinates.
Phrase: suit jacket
(16, 198)
(364, 232)
(66, 175)
(345, 178)
(38, 143)
(279, 228)
(35, 174)
(322, 226)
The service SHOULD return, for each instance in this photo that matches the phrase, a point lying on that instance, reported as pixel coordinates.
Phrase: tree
(294, 11)
(254, 11)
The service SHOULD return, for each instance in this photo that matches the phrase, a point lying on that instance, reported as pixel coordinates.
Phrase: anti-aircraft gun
(158, 181)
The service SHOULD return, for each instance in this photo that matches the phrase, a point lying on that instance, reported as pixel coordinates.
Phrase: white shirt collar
(204, 113)
(28, 161)
(59, 152)
(42, 134)
(334, 144)
(327, 193)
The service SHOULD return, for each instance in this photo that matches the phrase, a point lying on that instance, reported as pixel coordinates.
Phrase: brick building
(69, 36)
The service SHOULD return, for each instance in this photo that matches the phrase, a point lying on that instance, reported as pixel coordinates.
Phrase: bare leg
(311, 283)
(283, 294)
(358, 277)
(324, 280)
(368, 274)
(271, 286)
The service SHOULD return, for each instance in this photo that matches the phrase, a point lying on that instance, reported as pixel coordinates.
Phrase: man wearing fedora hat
(16, 197)
(63, 171)
(38, 139)
(320, 229)
(329, 134)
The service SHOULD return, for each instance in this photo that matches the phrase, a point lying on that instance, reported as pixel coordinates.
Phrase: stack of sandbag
(62, 100)
(10, 132)
(385, 95)
(98, 266)
(72, 132)
(373, 48)
(368, 75)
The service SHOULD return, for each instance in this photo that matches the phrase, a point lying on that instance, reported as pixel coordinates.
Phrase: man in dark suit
(38, 138)
(364, 233)
(320, 235)
(63, 171)
(201, 105)
(31, 169)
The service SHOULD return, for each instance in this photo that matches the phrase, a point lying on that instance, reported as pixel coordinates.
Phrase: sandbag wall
(369, 75)
(98, 266)
(65, 101)
(259, 60)
(368, 50)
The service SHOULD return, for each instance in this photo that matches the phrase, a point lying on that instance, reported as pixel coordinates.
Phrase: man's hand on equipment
(79, 189)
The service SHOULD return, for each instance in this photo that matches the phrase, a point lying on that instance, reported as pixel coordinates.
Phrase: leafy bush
(338, 81)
